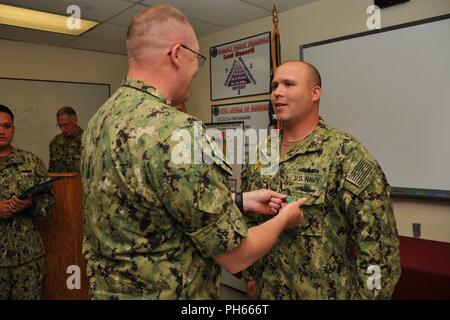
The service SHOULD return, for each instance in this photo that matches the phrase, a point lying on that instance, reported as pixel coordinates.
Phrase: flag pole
(276, 54)
(276, 49)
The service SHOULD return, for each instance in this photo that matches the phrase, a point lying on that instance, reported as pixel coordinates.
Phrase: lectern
(62, 234)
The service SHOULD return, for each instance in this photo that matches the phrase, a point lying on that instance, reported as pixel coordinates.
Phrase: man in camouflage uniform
(65, 148)
(156, 228)
(349, 231)
(22, 266)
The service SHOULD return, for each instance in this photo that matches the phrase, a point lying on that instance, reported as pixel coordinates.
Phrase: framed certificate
(241, 68)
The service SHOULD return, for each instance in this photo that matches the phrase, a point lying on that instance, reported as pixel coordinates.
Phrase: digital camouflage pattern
(151, 226)
(20, 242)
(348, 222)
(65, 153)
(24, 282)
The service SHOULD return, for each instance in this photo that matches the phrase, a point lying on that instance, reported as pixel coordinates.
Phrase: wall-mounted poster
(241, 68)
(254, 115)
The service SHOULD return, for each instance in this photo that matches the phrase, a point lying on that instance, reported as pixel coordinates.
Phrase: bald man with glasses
(65, 148)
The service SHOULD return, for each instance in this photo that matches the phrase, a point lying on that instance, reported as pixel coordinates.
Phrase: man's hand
(251, 289)
(18, 205)
(263, 201)
(5, 209)
(293, 213)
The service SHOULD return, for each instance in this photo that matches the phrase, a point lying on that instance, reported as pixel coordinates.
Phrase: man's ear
(175, 55)
(316, 93)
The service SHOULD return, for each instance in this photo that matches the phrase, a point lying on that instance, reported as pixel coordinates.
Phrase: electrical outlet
(416, 230)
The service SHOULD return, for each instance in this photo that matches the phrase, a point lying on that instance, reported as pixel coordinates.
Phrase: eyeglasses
(200, 58)
(63, 126)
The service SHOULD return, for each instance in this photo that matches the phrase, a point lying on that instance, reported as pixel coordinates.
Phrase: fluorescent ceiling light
(39, 20)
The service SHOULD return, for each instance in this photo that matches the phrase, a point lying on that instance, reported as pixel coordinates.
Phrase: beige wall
(323, 20)
(33, 61)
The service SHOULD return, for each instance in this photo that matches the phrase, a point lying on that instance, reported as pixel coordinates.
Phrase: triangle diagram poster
(241, 68)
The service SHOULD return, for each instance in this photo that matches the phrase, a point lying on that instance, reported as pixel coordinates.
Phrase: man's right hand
(293, 213)
(260, 239)
(5, 209)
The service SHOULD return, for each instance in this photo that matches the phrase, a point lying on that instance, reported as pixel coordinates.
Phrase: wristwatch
(238, 199)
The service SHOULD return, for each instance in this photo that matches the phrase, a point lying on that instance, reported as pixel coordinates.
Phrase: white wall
(323, 20)
(41, 62)
(33, 61)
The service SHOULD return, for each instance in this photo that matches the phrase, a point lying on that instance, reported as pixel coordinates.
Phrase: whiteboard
(391, 90)
(35, 103)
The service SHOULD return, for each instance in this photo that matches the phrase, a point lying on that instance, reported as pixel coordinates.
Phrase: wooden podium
(62, 234)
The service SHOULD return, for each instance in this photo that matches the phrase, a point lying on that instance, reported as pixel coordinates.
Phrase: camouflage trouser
(23, 282)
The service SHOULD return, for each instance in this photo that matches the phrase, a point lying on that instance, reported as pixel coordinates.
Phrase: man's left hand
(18, 205)
(263, 201)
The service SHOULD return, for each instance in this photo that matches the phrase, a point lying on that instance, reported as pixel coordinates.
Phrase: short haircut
(7, 110)
(155, 27)
(66, 111)
(313, 73)
(316, 79)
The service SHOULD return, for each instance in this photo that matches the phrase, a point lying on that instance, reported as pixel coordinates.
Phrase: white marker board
(391, 90)
(35, 102)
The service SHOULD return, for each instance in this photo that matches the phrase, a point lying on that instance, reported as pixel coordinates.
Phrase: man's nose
(276, 92)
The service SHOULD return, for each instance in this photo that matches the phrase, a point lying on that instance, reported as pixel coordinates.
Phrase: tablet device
(38, 188)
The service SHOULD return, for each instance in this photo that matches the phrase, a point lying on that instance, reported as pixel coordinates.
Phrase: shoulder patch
(360, 173)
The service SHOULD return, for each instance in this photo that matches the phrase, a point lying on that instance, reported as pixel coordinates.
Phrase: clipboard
(38, 188)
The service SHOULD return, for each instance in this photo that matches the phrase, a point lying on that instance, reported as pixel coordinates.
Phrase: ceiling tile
(207, 16)
(98, 10)
(35, 36)
(203, 29)
(98, 45)
(108, 31)
(127, 16)
(222, 13)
